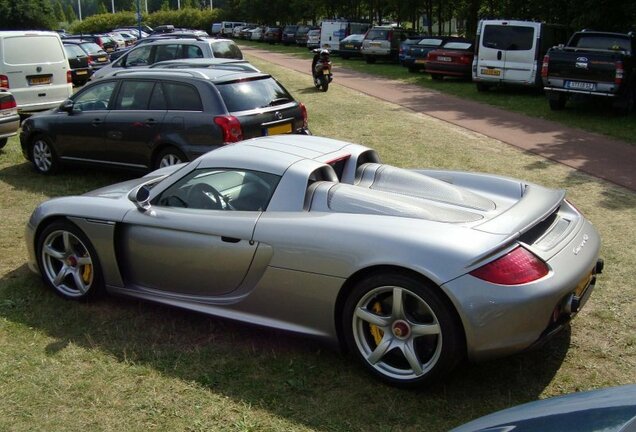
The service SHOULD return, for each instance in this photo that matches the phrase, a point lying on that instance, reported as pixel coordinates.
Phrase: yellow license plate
(280, 129)
(101, 59)
(420, 61)
(583, 284)
(81, 72)
(40, 80)
(376, 44)
(110, 49)
(492, 72)
(348, 46)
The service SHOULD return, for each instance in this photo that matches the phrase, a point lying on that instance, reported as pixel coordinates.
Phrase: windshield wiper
(277, 101)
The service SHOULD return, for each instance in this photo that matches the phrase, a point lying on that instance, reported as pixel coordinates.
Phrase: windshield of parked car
(377, 34)
(74, 51)
(603, 42)
(511, 38)
(252, 94)
(226, 49)
(92, 48)
(353, 38)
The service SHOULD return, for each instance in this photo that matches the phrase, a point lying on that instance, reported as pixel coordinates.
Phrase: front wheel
(370, 59)
(168, 157)
(402, 330)
(68, 262)
(324, 83)
(481, 87)
(43, 155)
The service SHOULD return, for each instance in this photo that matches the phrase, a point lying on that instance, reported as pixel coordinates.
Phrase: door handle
(498, 55)
(97, 122)
(151, 122)
(230, 239)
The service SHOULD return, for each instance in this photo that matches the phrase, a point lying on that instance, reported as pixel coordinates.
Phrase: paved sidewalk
(595, 154)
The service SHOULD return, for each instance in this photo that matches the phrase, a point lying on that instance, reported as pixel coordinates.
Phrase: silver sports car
(411, 270)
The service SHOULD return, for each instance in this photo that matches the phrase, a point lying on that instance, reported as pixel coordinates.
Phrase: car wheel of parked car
(557, 103)
(345, 56)
(437, 77)
(43, 156)
(402, 329)
(370, 59)
(626, 105)
(481, 87)
(413, 69)
(169, 156)
(3, 142)
(68, 262)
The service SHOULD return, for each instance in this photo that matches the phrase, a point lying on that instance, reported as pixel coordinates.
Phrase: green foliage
(26, 14)
(104, 22)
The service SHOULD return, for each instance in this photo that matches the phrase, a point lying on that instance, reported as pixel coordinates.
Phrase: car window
(458, 46)
(167, 52)
(134, 95)
(95, 98)
(158, 99)
(192, 51)
(182, 97)
(221, 189)
(252, 94)
(430, 42)
(139, 56)
(92, 48)
(603, 42)
(226, 49)
(41, 49)
(74, 51)
(377, 34)
(509, 38)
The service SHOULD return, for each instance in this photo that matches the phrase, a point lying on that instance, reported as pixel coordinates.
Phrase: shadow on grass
(290, 376)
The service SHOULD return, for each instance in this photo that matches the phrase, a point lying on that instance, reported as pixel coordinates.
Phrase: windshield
(378, 34)
(253, 94)
(92, 48)
(603, 42)
(41, 49)
(74, 51)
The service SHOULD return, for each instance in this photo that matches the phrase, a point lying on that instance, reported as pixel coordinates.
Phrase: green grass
(121, 364)
(591, 115)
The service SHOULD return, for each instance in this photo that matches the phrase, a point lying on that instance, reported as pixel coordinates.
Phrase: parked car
(121, 42)
(415, 54)
(411, 39)
(350, 46)
(289, 35)
(273, 35)
(257, 34)
(97, 57)
(105, 42)
(605, 410)
(302, 34)
(9, 117)
(148, 119)
(129, 38)
(246, 32)
(313, 39)
(198, 63)
(34, 67)
(510, 52)
(78, 61)
(454, 58)
(180, 34)
(592, 64)
(215, 30)
(411, 270)
(170, 49)
(382, 42)
(333, 31)
(227, 27)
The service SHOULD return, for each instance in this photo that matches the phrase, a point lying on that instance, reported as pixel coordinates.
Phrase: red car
(454, 58)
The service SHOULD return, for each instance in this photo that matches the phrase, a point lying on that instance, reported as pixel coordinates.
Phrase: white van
(510, 52)
(227, 27)
(332, 32)
(34, 67)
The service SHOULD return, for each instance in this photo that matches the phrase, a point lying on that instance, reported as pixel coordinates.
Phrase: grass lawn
(121, 364)
(592, 115)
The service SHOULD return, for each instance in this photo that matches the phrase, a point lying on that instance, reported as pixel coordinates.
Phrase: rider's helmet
(324, 54)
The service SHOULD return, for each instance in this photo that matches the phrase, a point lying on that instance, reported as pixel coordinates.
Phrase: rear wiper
(278, 101)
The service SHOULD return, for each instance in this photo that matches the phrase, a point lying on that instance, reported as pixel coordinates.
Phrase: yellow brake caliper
(376, 332)
(87, 273)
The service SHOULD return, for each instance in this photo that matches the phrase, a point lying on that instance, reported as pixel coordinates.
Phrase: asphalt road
(603, 157)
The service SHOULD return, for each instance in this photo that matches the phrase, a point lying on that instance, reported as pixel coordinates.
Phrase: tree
(26, 14)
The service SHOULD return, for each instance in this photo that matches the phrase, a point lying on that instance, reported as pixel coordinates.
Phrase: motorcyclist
(319, 55)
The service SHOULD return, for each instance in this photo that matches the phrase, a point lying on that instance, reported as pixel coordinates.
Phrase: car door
(134, 123)
(192, 241)
(519, 55)
(80, 133)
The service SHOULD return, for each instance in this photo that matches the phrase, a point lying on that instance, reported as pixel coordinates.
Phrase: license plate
(81, 72)
(578, 85)
(583, 284)
(348, 46)
(326, 46)
(420, 61)
(492, 72)
(110, 49)
(101, 59)
(40, 80)
(325, 71)
(280, 129)
(376, 44)
(444, 59)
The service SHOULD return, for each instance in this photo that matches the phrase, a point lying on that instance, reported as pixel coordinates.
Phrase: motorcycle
(321, 69)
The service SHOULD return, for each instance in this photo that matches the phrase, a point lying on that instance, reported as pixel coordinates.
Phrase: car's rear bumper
(9, 125)
(448, 69)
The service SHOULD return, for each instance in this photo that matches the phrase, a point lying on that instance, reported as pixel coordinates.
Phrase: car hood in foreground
(606, 410)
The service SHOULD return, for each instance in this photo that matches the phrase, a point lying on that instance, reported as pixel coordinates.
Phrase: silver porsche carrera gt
(411, 270)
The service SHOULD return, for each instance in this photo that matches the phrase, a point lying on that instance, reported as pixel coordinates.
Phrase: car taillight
(69, 77)
(231, 128)
(465, 60)
(303, 112)
(390, 35)
(4, 81)
(620, 71)
(544, 66)
(9, 103)
(517, 267)
(99, 42)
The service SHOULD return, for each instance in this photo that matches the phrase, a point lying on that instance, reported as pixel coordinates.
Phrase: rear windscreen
(74, 51)
(603, 42)
(508, 38)
(253, 94)
(377, 34)
(227, 49)
(32, 49)
(92, 48)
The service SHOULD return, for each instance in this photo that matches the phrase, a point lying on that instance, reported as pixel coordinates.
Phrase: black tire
(169, 156)
(3, 142)
(43, 155)
(424, 326)
(345, 56)
(437, 77)
(68, 262)
(324, 83)
(557, 103)
(626, 105)
(370, 59)
(413, 69)
(481, 87)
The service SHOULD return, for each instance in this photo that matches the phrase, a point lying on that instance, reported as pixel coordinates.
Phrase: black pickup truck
(592, 64)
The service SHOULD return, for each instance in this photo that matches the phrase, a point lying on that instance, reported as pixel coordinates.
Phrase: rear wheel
(412, 69)
(68, 262)
(481, 87)
(437, 77)
(324, 83)
(3, 142)
(370, 59)
(557, 102)
(43, 156)
(168, 157)
(402, 329)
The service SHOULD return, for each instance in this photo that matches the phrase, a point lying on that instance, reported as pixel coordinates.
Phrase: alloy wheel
(67, 263)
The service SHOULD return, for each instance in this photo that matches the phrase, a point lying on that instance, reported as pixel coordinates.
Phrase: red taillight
(303, 111)
(99, 42)
(9, 103)
(544, 66)
(465, 60)
(231, 128)
(620, 73)
(4, 81)
(390, 35)
(69, 77)
(517, 267)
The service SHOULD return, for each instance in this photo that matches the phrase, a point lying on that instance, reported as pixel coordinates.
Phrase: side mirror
(141, 198)
(67, 106)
